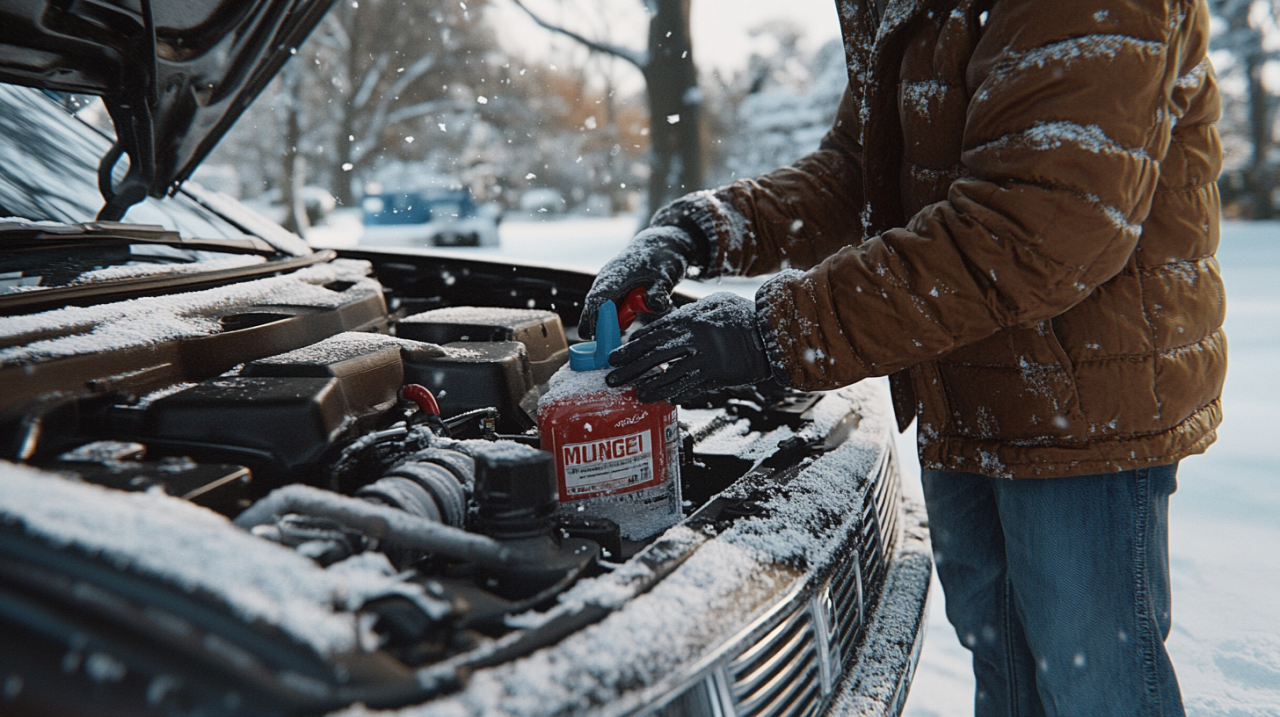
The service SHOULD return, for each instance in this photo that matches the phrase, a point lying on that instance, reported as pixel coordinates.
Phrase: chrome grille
(879, 529)
(856, 585)
(846, 599)
(792, 669)
(888, 496)
(869, 547)
(780, 674)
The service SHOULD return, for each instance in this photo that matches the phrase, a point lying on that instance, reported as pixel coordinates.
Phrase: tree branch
(370, 82)
(639, 59)
(383, 119)
(419, 68)
(382, 108)
(334, 34)
(422, 108)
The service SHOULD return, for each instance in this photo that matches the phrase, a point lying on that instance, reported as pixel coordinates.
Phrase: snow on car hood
(824, 499)
(137, 271)
(153, 320)
(195, 549)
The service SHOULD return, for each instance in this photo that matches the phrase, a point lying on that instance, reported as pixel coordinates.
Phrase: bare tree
(1248, 21)
(384, 64)
(780, 107)
(370, 76)
(420, 92)
(671, 87)
(293, 172)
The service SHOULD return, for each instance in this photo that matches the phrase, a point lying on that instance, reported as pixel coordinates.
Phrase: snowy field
(1225, 517)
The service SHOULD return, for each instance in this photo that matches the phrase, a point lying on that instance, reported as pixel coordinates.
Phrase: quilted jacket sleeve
(1068, 120)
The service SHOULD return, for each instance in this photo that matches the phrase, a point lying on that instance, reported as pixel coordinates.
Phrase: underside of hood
(174, 74)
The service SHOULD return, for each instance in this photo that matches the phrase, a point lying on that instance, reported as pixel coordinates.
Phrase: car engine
(356, 422)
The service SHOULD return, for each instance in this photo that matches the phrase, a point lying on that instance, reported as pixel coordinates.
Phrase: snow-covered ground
(1225, 517)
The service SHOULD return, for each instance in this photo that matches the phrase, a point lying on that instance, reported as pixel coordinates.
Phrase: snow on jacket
(1015, 216)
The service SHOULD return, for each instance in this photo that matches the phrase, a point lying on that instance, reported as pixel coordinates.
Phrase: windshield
(49, 169)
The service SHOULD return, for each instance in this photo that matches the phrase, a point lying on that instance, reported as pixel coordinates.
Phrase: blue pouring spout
(593, 355)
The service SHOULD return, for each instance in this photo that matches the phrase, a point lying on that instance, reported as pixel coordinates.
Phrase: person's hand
(656, 258)
(709, 344)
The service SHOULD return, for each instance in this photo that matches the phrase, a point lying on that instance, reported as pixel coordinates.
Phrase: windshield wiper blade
(54, 233)
(101, 292)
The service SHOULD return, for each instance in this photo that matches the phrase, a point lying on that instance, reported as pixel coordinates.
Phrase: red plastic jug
(616, 458)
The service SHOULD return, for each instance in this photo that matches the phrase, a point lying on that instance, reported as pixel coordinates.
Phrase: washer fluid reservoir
(616, 458)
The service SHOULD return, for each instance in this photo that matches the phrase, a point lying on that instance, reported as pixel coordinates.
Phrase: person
(1014, 217)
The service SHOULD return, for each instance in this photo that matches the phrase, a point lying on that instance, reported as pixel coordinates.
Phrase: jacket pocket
(1076, 429)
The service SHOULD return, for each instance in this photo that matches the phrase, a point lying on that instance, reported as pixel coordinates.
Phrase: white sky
(721, 37)
(720, 27)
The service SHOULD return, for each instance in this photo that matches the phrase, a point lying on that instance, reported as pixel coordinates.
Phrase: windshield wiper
(50, 233)
(101, 292)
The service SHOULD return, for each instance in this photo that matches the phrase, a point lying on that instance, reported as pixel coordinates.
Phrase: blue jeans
(1060, 589)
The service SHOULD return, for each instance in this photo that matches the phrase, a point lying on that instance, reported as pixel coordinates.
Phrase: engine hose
(422, 396)
(386, 524)
(437, 485)
(461, 418)
(427, 404)
(405, 494)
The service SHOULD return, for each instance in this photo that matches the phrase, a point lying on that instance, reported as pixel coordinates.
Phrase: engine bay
(352, 419)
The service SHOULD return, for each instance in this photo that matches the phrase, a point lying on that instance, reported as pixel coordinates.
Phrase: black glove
(708, 344)
(657, 258)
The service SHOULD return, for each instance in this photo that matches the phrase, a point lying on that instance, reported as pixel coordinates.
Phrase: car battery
(541, 332)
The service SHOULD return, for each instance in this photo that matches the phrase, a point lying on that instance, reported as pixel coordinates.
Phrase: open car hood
(175, 74)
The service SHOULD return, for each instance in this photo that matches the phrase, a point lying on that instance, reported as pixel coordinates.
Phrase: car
(542, 200)
(430, 217)
(244, 477)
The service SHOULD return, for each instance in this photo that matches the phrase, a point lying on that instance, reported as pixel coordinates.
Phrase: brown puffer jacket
(1015, 213)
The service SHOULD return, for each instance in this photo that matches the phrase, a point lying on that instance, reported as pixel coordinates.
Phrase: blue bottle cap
(593, 355)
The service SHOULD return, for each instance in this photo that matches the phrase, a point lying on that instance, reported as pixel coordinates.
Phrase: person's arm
(1070, 116)
(749, 227)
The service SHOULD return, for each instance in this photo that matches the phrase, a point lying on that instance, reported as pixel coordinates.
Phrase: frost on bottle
(616, 458)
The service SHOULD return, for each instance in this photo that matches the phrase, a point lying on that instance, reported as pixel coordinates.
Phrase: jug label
(607, 466)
